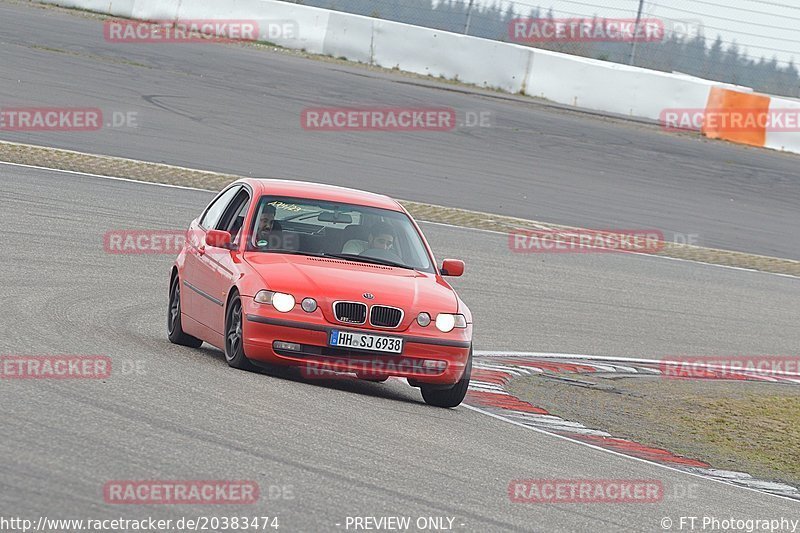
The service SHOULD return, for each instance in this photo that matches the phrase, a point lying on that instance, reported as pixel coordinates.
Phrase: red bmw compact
(328, 279)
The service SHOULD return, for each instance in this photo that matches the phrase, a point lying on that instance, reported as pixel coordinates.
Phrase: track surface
(344, 448)
(237, 109)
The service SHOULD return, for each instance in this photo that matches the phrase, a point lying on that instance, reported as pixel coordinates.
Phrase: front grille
(350, 312)
(385, 317)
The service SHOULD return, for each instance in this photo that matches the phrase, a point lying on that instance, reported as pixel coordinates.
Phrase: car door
(217, 266)
(199, 303)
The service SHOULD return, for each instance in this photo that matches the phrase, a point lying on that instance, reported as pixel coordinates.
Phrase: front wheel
(234, 339)
(449, 397)
(174, 327)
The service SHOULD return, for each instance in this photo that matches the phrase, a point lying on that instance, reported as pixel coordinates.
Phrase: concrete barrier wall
(587, 83)
(310, 24)
(788, 141)
(613, 88)
(472, 60)
(118, 8)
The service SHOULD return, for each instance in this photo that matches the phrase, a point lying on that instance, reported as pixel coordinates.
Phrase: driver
(269, 234)
(381, 237)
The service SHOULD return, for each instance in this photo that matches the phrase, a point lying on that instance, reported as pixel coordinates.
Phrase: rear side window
(217, 207)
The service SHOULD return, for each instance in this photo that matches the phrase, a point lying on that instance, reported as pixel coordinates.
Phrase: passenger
(381, 237)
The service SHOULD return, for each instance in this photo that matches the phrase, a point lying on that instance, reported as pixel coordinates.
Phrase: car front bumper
(435, 360)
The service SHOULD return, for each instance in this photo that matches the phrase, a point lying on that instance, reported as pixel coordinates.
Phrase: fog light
(289, 346)
(309, 305)
(435, 365)
(423, 319)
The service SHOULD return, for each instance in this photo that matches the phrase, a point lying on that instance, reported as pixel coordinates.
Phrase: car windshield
(344, 231)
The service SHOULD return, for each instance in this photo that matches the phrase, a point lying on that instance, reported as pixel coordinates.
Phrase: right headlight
(446, 322)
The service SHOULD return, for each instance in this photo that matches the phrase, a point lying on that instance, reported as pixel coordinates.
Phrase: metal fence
(745, 42)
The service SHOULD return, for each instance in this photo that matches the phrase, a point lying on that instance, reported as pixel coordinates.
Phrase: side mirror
(218, 238)
(452, 267)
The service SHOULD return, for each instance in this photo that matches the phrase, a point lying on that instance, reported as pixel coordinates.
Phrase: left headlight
(281, 301)
(446, 322)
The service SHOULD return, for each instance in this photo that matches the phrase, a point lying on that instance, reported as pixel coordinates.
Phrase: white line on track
(113, 178)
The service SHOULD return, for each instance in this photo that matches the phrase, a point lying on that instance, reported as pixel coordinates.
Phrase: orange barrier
(736, 116)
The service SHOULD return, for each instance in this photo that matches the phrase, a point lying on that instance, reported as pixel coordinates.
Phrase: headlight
(423, 319)
(446, 322)
(279, 300)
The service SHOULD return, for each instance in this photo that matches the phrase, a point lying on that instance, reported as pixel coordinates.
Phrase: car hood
(328, 280)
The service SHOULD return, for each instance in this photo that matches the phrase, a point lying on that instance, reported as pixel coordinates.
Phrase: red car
(324, 278)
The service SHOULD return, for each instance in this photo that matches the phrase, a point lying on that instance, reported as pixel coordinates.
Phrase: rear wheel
(449, 397)
(174, 328)
(234, 340)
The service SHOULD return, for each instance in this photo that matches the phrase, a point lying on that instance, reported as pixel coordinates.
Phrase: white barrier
(311, 23)
(789, 110)
(117, 8)
(425, 51)
(612, 88)
(349, 36)
(155, 9)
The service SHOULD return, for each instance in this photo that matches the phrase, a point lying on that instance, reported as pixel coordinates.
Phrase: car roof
(319, 191)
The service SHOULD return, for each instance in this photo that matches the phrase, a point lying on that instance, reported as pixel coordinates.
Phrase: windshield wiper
(373, 260)
(282, 251)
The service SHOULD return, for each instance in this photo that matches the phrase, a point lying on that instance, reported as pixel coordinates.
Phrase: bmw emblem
(369, 295)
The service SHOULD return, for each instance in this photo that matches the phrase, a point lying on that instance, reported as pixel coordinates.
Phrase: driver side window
(214, 211)
(232, 219)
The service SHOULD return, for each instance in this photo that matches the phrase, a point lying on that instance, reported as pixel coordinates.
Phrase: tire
(234, 340)
(174, 327)
(449, 397)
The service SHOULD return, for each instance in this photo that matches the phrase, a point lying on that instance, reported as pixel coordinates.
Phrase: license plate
(365, 341)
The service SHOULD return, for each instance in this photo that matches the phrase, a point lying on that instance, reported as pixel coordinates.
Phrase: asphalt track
(237, 109)
(344, 448)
